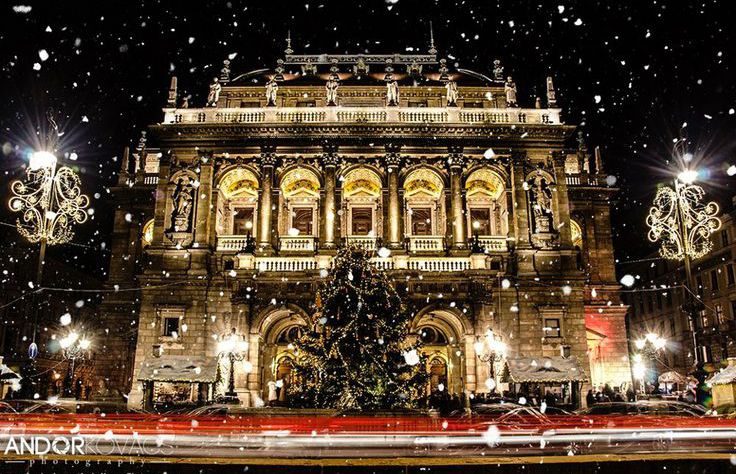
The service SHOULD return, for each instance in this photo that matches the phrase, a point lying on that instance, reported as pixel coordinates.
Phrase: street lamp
(639, 371)
(234, 348)
(651, 345)
(683, 223)
(476, 246)
(73, 347)
(51, 202)
(250, 243)
(490, 351)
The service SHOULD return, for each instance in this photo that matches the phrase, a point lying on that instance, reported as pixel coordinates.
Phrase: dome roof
(363, 69)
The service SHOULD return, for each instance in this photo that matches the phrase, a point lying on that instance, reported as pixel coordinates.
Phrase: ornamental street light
(476, 246)
(490, 351)
(234, 348)
(250, 242)
(74, 347)
(683, 223)
(651, 346)
(51, 202)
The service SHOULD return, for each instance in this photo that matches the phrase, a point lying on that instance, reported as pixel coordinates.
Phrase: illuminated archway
(487, 211)
(423, 190)
(238, 202)
(147, 234)
(361, 191)
(300, 201)
(576, 233)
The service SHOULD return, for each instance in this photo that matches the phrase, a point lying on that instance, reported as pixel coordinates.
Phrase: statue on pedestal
(551, 96)
(392, 91)
(214, 94)
(451, 88)
(510, 89)
(272, 87)
(541, 201)
(497, 70)
(333, 83)
(183, 200)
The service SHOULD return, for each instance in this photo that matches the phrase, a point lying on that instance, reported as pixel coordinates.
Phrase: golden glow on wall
(300, 182)
(423, 181)
(238, 183)
(147, 237)
(484, 181)
(361, 181)
(576, 233)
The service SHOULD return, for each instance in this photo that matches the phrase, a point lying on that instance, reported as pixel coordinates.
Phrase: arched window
(236, 208)
(423, 190)
(300, 195)
(361, 191)
(487, 204)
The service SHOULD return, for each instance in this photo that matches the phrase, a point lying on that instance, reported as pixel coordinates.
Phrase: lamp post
(51, 202)
(73, 347)
(234, 348)
(682, 223)
(250, 243)
(651, 345)
(476, 247)
(490, 351)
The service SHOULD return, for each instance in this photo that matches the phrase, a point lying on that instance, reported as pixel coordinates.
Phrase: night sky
(630, 73)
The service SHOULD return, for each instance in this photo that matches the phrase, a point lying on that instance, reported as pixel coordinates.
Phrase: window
(719, 314)
(421, 221)
(483, 218)
(362, 221)
(302, 220)
(724, 237)
(672, 327)
(551, 327)
(699, 285)
(242, 217)
(714, 280)
(171, 326)
(733, 309)
(703, 316)
(730, 278)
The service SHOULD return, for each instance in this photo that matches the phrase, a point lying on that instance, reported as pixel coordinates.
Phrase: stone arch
(361, 180)
(299, 178)
(342, 176)
(272, 319)
(453, 322)
(576, 233)
(487, 210)
(425, 180)
(238, 181)
(485, 181)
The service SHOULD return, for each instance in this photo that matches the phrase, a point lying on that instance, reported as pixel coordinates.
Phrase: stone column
(330, 160)
(394, 228)
(521, 212)
(268, 161)
(562, 213)
(455, 161)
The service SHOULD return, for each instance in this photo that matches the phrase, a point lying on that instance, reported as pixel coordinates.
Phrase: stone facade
(480, 214)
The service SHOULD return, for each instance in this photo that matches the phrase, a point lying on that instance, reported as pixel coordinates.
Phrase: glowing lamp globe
(41, 159)
(688, 176)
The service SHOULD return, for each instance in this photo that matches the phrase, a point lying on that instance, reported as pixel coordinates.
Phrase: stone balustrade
(493, 244)
(396, 262)
(227, 243)
(426, 243)
(338, 114)
(362, 241)
(290, 243)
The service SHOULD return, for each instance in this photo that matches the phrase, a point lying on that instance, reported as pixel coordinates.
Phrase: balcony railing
(362, 115)
(401, 262)
(426, 243)
(362, 241)
(231, 242)
(440, 264)
(493, 244)
(280, 264)
(297, 243)
(586, 180)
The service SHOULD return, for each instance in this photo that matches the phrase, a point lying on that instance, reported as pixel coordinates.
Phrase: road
(363, 440)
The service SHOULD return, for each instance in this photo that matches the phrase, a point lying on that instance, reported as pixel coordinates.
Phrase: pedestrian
(590, 398)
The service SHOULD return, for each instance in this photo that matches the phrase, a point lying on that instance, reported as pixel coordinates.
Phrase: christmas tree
(358, 354)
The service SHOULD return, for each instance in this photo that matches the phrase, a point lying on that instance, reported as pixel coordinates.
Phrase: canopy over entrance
(544, 370)
(179, 368)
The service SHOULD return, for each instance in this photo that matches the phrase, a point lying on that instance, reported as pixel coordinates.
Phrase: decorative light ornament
(681, 221)
(50, 201)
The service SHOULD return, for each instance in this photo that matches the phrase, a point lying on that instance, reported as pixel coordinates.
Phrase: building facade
(229, 215)
(657, 300)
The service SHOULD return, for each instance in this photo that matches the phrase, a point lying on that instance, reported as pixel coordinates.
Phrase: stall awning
(179, 368)
(7, 375)
(725, 376)
(672, 377)
(544, 370)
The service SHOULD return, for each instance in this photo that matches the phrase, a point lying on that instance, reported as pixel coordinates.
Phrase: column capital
(393, 155)
(330, 158)
(455, 160)
(268, 155)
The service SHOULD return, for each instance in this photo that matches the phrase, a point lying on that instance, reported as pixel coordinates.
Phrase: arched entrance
(442, 333)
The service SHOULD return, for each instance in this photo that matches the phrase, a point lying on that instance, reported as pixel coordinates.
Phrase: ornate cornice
(224, 131)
